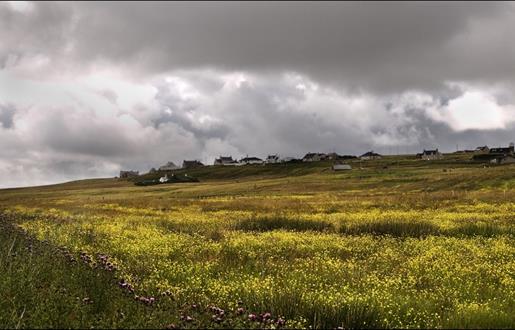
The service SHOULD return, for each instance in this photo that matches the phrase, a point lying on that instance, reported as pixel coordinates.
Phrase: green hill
(393, 243)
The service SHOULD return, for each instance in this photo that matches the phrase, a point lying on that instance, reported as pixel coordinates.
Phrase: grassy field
(394, 243)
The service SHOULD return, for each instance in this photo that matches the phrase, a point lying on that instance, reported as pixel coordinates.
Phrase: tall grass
(41, 288)
(409, 246)
(269, 223)
(396, 228)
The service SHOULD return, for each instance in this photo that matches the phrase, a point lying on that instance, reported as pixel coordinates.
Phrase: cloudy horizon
(89, 89)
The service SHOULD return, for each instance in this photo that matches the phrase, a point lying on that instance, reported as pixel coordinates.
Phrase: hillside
(392, 243)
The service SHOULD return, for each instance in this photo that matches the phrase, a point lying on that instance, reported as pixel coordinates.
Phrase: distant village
(498, 155)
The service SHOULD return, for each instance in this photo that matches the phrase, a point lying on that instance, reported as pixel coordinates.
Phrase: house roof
(369, 154)
(246, 159)
(313, 154)
(225, 159)
(169, 164)
(191, 162)
(430, 152)
(501, 150)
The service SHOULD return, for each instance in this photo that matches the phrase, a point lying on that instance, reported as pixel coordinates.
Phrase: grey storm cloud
(200, 79)
(7, 115)
(381, 46)
(174, 109)
(388, 47)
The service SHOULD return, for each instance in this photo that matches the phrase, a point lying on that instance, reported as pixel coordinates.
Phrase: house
(482, 149)
(226, 161)
(191, 164)
(430, 154)
(507, 151)
(341, 167)
(314, 157)
(164, 179)
(370, 155)
(128, 174)
(251, 161)
(170, 166)
(500, 155)
(272, 159)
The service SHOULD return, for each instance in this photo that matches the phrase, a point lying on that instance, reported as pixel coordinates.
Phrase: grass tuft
(278, 222)
(396, 228)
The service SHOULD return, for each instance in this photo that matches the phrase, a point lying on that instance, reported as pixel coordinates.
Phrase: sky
(89, 89)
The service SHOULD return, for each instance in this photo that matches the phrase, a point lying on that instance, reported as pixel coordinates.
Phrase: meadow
(393, 243)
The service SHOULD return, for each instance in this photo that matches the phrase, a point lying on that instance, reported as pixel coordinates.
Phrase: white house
(272, 159)
(314, 157)
(482, 149)
(164, 179)
(430, 155)
(226, 161)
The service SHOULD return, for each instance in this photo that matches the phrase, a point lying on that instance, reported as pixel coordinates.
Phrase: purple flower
(240, 310)
(252, 317)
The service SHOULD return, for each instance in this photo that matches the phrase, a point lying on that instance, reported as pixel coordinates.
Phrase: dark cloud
(7, 112)
(184, 112)
(382, 46)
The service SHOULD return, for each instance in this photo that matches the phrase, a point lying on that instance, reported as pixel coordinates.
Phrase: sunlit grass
(412, 246)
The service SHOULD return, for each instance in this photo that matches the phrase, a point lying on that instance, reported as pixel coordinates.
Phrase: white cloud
(475, 109)
(21, 6)
(68, 129)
